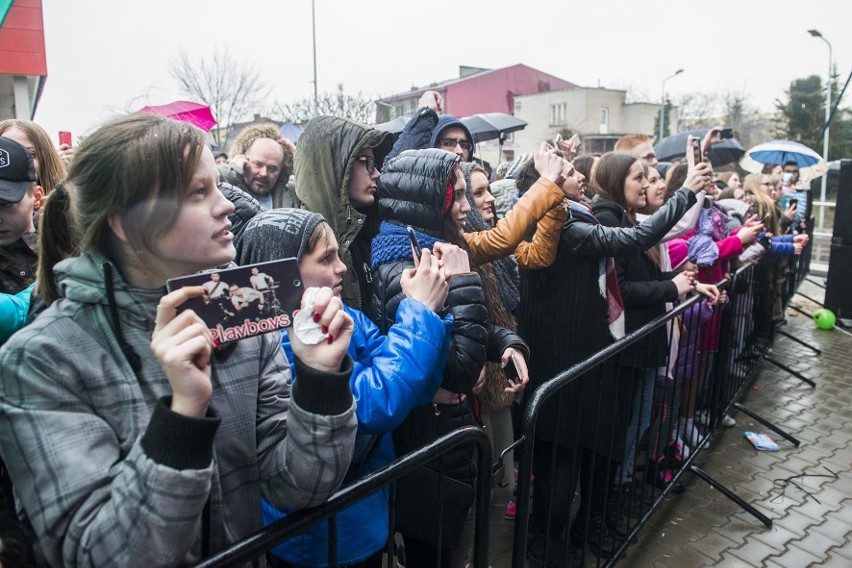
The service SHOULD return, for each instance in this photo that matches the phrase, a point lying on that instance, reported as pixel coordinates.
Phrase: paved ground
(812, 523)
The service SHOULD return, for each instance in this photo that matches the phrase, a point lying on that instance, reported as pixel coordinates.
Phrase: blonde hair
(762, 204)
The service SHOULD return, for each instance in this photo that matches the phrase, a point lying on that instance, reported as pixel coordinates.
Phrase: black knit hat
(17, 172)
(276, 234)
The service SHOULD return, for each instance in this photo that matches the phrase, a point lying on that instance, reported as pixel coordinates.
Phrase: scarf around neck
(607, 277)
(392, 244)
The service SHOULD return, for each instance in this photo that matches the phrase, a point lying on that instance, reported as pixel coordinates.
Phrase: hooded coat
(413, 191)
(448, 121)
(328, 149)
(108, 475)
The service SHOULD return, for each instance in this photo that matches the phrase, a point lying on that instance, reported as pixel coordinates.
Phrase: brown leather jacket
(541, 204)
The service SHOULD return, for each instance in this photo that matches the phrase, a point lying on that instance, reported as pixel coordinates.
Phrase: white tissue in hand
(304, 326)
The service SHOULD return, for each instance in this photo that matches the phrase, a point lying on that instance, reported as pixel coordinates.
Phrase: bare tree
(232, 89)
(359, 107)
(698, 110)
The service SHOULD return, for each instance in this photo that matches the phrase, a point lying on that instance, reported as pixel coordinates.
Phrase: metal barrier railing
(710, 358)
(258, 544)
(691, 393)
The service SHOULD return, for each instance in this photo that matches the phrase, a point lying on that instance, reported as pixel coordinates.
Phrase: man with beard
(262, 164)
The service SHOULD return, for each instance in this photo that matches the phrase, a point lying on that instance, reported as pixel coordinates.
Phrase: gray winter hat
(276, 234)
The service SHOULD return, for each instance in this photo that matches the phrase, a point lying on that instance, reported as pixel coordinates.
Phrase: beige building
(600, 116)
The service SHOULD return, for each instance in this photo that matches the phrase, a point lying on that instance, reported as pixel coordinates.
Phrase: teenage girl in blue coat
(393, 373)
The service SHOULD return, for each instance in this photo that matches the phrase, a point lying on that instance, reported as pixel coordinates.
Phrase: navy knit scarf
(392, 244)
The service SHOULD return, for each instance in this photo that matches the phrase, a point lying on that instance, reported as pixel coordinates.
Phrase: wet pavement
(806, 491)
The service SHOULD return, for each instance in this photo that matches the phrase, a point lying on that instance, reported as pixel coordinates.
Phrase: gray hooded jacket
(109, 476)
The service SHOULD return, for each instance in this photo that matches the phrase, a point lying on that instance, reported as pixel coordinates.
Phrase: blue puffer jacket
(392, 375)
(782, 245)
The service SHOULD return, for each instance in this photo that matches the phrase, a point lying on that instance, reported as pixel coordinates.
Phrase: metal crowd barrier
(256, 545)
(708, 363)
(593, 496)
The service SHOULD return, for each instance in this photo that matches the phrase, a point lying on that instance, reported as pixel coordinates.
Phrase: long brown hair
(55, 241)
(610, 176)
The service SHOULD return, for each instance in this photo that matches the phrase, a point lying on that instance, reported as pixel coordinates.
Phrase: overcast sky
(106, 57)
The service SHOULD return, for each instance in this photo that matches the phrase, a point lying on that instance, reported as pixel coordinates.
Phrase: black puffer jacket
(413, 191)
(466, 301)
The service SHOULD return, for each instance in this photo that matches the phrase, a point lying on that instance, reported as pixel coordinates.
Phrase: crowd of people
(439, 294)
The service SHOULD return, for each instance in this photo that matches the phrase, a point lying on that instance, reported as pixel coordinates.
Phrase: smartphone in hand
(416, 251)
(697, 154)
(511, 371)
(65, 138)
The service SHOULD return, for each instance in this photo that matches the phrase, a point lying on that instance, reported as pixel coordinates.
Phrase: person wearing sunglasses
(337, 170)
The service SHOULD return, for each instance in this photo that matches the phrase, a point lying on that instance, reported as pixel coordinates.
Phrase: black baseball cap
(17, 171)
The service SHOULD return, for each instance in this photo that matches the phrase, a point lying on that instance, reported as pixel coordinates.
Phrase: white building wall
(582, 114)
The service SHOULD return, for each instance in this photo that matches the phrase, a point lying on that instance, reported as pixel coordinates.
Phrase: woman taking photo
(425, 189)
(578, 432)
(111, 401)
(648, 287)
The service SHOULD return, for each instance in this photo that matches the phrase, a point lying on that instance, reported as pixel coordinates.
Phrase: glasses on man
(451, 143)
(369, 163)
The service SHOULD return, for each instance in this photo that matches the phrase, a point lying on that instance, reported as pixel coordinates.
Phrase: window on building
(604, 122)
(558, 112)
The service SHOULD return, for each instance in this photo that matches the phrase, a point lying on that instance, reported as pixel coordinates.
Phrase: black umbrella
(492, 125)
(721, 153)
(394, 126)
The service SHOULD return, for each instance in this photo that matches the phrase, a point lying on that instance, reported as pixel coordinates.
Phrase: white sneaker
(727, 421)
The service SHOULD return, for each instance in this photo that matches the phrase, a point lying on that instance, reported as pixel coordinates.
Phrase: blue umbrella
(811, 165)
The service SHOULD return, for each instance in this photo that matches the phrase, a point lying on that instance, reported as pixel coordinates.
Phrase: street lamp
(663, 101)
(822, 192)
(314, 28)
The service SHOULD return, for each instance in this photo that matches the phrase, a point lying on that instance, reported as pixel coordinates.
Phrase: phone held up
(415, 245)
(65, 138)
(697, 154)
(726, 133)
